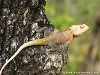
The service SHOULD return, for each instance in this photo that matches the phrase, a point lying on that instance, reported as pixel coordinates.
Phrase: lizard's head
(78, 29)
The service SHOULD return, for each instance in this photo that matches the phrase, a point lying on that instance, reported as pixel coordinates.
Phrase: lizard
(59, 37)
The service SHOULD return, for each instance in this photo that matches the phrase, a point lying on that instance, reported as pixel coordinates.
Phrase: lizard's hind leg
(57, 47)
(53, 47)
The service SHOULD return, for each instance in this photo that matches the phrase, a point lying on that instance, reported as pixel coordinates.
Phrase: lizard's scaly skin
(57, 37)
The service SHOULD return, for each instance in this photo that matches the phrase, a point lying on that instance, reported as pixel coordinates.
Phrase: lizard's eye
(81, 27)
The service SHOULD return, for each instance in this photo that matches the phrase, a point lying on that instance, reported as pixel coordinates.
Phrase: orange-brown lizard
(59, 37)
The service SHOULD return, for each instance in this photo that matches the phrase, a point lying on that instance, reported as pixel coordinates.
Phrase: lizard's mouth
(76, 35)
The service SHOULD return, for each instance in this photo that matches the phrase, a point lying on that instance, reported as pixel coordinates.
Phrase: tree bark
(17, 21)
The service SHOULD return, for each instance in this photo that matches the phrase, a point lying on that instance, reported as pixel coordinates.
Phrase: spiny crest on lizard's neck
(78, 29)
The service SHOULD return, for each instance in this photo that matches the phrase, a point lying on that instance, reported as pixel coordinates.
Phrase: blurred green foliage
(58, 14)
(62, 22)
(63, 13)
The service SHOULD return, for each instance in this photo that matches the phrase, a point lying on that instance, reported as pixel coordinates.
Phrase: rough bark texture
(17, 21)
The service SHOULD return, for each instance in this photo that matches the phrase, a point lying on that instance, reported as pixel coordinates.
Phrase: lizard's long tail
(30, 43)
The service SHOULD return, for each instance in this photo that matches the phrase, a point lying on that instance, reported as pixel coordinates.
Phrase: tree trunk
(18, 18)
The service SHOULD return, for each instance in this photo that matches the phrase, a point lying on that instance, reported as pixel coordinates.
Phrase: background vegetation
(63, 13)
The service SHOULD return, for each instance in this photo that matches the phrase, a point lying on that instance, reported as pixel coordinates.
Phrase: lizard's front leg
(47, 31)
